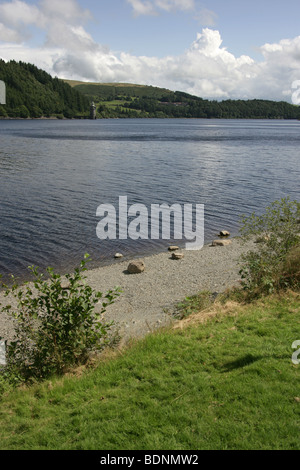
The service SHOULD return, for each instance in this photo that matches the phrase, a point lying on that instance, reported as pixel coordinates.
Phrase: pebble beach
(148, 298)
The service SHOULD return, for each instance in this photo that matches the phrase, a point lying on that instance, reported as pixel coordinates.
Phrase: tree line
(33, 93)
(183, 105)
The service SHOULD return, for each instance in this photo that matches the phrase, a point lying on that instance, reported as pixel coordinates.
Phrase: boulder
(177, 255)
(224, 233)
(221, 242)
(118, 255)
(136, 267)
(173, 248)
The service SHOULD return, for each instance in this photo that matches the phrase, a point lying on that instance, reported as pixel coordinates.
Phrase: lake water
(54, 175)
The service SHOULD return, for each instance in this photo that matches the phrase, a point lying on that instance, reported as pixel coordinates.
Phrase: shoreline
(148, 298)
(55, 118)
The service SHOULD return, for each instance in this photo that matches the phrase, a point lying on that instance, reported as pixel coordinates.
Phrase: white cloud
(142, 7)
(206, 17)
(203, 15)
(152, 7)
(72, 37)
(17, 16)
(18, 12)
(169, 5)
(10, 35)
(67, 10)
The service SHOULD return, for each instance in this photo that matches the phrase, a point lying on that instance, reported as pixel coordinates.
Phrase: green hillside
(141, 101)
(33, 93)
(111, 91)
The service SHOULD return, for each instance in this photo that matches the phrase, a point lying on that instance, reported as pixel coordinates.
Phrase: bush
(290, 269)
(56, 325)
(193, 304)
(269, 267)
(21, 112)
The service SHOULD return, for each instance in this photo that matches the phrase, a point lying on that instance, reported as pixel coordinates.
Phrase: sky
(216, 49)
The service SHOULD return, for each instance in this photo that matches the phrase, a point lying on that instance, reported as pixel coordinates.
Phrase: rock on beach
(136, 267)
(177, 255)
(221, 242)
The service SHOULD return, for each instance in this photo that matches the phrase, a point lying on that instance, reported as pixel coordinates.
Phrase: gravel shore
(147, 297)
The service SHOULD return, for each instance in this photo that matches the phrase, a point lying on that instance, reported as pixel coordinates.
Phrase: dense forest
(33, 93)
(186, 106)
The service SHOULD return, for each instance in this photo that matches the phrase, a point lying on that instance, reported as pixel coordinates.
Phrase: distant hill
(33, 93)
(110, 91)
(141, 101)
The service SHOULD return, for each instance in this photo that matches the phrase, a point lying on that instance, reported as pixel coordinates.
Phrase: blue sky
(244, 25)
(216, 49)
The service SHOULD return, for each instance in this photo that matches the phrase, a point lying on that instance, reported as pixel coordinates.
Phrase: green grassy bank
(222, 379)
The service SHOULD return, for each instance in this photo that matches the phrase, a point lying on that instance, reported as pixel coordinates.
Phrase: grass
(74, 83)
(112, 104)
(223, 379)
(192, 304)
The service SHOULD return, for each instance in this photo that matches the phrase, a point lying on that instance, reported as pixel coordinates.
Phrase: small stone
(118, 255)
(224, 233)
(173, 248)
(221, 242)
(136, 267)
(177, 255)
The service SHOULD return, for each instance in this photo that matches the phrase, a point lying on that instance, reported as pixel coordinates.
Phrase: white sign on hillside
(2, 92)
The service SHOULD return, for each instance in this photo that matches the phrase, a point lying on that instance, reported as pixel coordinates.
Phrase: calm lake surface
(54, 175)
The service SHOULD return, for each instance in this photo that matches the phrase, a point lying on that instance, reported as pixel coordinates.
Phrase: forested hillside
(187, 106)
(31, 92)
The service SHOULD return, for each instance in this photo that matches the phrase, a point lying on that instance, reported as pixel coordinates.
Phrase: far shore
(55, 118)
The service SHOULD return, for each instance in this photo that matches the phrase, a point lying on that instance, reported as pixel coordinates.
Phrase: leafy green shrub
(290, 269)
(265, 269)
(56, 325)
